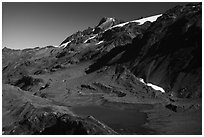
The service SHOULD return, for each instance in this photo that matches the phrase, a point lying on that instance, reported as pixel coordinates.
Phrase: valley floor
(72, 87)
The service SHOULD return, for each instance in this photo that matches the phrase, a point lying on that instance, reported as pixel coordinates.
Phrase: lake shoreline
(114, 112)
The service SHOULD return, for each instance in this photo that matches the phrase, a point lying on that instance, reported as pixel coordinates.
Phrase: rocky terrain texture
(156, 61)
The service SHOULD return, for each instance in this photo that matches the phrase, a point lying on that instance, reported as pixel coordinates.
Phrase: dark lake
(123, 118)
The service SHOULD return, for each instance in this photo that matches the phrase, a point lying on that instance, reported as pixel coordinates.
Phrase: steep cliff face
(170, 53)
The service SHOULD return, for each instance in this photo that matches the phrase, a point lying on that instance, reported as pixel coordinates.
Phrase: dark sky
(42, 24)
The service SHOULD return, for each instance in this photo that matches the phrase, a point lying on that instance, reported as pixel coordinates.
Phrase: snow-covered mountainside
(139, 21)
(110, 23)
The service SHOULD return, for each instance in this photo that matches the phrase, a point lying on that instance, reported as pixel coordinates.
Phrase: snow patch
(141, 80)
(140, 21)
(90, 38)
(119, 25)
(112, 19)
(99, 42)
(55, 46)
(65, 44)
(155, 87)
(151, 19)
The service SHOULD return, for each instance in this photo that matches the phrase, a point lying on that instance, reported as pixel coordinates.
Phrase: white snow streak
(65, 44)
(140, 21)
(141, 80)
(90, 38)
(155, 87)
(99, 42)
(151, 19)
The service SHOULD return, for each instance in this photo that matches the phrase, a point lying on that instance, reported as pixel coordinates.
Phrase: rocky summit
(154, 61)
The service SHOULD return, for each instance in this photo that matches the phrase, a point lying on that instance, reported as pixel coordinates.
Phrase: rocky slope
(24, 113)
(155, 60)
(169, 54)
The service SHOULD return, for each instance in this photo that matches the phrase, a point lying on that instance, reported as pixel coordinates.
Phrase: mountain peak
(107, 22)
(104, 19)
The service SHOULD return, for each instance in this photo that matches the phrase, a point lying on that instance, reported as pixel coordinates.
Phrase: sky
(26, 25)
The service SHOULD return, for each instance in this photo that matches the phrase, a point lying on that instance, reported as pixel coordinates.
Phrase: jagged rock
(171, 107)
(87, 87)
(26, 82)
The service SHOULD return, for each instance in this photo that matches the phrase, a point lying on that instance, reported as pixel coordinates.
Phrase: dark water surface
(123, 118)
